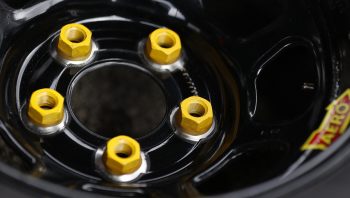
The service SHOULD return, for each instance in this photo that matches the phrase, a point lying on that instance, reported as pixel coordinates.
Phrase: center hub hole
(118, 100)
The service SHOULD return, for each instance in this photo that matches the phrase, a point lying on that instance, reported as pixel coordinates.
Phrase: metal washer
(45, 131)
(119, 178)
(190, 138)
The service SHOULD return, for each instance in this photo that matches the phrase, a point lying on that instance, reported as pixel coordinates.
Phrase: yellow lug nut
(46, 107)
(163, 46)
(74, 42)
(195, 115)
(122, 155)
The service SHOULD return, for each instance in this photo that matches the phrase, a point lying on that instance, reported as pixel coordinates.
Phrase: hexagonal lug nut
(74, 42)
(122, 155)
(46, 107)
(163, 46)
(195, 115)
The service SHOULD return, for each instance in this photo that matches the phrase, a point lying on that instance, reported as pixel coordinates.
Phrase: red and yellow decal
(333, 125)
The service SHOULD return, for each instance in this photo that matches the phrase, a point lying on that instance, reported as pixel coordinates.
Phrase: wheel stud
(46, 107)
(122, 155)
(163, 46)
(74, 42)
(195, 115)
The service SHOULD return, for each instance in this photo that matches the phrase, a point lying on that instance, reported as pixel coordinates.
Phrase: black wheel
(268, 68)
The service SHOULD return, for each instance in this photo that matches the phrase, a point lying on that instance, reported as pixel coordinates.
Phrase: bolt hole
(123, 150)
(76, 35)
(166, 40)
(196, 110)
(47, 102)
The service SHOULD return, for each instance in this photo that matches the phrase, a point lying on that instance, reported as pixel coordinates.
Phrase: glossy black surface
(267, 67)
